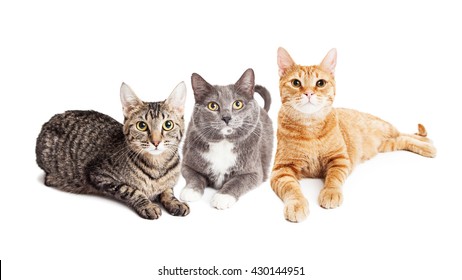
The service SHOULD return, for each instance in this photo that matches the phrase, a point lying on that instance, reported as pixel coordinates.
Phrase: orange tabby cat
(318, 141)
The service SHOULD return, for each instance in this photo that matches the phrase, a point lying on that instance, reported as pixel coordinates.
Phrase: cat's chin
(227, 130)
(307, 109)
(311, 110)
(155, 152)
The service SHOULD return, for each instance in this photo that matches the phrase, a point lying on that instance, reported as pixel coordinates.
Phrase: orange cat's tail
(422, 131)
(417, 143)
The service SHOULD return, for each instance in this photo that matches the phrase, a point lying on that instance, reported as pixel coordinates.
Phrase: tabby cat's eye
(296, 83)
(321, 83)
(141, 126)
(238, 104)
(213, 106)
(168, 125)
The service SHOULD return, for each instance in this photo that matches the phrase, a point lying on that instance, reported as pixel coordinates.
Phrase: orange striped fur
(315, 140)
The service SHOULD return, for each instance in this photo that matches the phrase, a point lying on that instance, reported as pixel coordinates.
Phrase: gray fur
(251, 138)
(89, 152)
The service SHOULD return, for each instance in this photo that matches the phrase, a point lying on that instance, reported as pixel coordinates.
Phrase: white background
(399, 60)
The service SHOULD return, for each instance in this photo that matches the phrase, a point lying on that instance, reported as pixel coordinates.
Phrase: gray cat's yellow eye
(238, 104)
(296, 83)
(141, 126)
(168, 125)
(213, 106)
(321, 83)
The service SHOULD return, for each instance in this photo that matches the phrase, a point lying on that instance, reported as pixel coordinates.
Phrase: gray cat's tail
(264, 93)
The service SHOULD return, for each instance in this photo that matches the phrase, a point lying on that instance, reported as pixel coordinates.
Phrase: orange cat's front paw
(330, 198)
(296, 210)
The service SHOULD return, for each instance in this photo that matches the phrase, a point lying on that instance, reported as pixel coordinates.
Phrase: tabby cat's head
(225, 112)
(153, 127)
(308, 89)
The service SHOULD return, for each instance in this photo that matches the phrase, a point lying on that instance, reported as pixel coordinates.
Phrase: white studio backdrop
(399, 60)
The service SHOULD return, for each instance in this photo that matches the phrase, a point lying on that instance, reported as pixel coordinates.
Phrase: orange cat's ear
(284, 61)
(329, 62)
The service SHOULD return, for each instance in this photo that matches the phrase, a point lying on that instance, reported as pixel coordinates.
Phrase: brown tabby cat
(136, 162)
(318, 141)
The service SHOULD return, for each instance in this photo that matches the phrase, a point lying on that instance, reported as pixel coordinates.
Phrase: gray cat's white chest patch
(221, 157)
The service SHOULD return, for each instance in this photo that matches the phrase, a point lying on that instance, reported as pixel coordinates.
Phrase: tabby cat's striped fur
(318, 141)
(136, 163)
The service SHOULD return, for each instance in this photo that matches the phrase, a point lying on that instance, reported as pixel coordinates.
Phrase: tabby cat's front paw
(223, 201)
(177, 208)
(296, 210)
(330, 198)
(149, 211)
(190, 194)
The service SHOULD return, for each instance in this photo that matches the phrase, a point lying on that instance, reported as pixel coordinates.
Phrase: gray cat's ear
(200, 86)
(246, 83)
(177, 98)
(129, 99)
(330, 61)
(284, 61)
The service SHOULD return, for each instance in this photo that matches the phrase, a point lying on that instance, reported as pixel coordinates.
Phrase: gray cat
(136, 163)
(229, 142)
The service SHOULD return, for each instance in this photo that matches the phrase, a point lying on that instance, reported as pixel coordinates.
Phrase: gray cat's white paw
(189, 194)
(223, 201)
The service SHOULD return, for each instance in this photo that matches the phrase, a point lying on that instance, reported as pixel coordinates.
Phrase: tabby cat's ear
(330, 61)
(246, 83)
(284, 61)
(200, 86)
(177, 98)
(129, 99)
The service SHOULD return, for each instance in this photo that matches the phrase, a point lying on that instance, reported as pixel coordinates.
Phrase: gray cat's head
(154, 128)
(225, 112)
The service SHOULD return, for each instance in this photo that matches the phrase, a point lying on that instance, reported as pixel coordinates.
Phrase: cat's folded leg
(331, 195)
(234, 188)
(172, 204)
(195, 184)
(135, 199)
(284, 183)
(132, 197)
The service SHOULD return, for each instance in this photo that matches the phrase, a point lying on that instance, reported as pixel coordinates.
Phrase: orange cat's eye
(296, 83)
(321, 83)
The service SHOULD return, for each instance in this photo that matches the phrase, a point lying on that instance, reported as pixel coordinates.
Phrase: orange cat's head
(308, 89)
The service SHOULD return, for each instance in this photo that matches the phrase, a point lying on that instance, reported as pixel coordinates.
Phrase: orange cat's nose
(309, 94)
